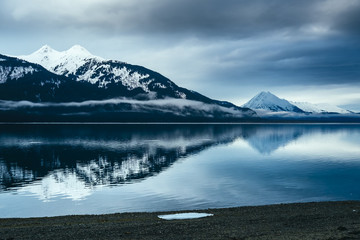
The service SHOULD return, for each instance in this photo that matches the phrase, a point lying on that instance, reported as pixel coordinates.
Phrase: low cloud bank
(176, 106)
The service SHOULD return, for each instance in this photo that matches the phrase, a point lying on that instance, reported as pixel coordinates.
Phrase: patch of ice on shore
(185, 216)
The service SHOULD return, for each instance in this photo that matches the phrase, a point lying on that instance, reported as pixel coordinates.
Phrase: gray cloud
(176, 106)
(349, 20)
(216, 47)
(230, 18)
(237, 18)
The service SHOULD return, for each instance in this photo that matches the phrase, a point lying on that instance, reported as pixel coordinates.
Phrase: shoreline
(180, 123)
(315, 220)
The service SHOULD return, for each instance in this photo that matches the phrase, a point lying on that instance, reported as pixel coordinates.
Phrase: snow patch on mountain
(19, 72)
(181, 94)
(104, 72)
(14, 72)
(270, 102)
(159, 85)
(131, 80)
(4, 73)
(320, 108)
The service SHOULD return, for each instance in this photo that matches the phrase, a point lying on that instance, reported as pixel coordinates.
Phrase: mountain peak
(76, 49)
(77, 46)
(79, 51)
(265, 94)
(65, 62)
(268, 101)
(45, 49)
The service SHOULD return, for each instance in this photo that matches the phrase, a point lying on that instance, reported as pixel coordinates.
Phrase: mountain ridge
(270, 102)
(320, 108)
(75, 85)
(115, 74)
(266, 101)
(101, 90)
(60, 62)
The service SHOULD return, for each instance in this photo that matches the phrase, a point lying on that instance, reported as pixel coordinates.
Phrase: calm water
(48, 170)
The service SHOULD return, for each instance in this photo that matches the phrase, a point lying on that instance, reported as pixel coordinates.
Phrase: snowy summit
(61, 63)
(81, 63)
(270, 102)
(266, 101)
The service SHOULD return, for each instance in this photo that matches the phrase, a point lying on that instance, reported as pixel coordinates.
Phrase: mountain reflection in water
(71, 160)
(100, 154)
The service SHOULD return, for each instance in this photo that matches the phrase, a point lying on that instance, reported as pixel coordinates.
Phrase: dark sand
(323, 220)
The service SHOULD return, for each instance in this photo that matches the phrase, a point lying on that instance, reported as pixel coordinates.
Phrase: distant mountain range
(268, 105)
(75, 85)
(269, 102)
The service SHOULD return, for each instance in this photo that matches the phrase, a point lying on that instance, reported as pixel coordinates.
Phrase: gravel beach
(320, 220)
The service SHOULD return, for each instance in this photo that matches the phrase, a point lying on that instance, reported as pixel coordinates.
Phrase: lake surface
(49, 170)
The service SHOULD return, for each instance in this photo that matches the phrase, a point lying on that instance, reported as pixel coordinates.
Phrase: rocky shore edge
(316, 220)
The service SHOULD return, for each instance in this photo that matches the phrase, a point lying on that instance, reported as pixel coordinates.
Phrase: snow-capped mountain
(320, 108)
(268, 105)
(114, 78)
(62, 63)
(79, 62)
(77, 83)
(269, 102)
(84, 66)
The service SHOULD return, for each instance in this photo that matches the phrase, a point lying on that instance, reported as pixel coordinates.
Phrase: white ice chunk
(185, 216)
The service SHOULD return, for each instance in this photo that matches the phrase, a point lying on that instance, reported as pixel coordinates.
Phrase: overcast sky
(306, 50)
